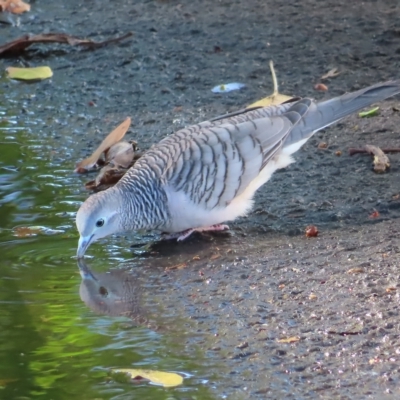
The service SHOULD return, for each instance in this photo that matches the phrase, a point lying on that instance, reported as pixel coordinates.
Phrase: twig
(353, 150)
(381, 160)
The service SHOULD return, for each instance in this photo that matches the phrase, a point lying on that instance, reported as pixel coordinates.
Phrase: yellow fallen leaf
(114, 137)
(29, 74)
(275, 98)
(292, 339)
(166, 379)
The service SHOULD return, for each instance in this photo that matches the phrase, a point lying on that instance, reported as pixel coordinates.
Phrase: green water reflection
(52, 344)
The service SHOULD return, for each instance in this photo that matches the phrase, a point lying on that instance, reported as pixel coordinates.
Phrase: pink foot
(180, 236)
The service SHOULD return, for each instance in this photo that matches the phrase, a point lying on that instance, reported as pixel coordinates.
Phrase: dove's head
(97, 217)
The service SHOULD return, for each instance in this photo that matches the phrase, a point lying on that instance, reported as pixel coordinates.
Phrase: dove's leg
(179, 236)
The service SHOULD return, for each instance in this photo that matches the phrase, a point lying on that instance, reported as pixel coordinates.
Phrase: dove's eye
(100, 222)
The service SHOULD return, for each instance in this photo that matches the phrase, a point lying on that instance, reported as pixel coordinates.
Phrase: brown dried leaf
(330, 74)
(107, 177)
(311, 231)
(391, 289)
(114, 137)
(357, 270)
(120, 154)
(321, 87)
(323, 145)
(14, 6)
(374, 214)
(381, 160)
(177, 266)
(292, 339)
(20, 44)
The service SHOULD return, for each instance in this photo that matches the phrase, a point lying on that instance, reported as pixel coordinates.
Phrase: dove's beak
(83, 244)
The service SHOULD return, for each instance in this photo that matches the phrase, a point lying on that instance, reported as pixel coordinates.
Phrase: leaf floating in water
(29, 74)
(114, 137)
(14, 6)
(166, 379)
(228, 87)
(370, 113)
(275, 98)
(27, 231)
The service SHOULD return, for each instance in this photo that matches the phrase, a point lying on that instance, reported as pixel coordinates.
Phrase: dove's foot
(179, 236)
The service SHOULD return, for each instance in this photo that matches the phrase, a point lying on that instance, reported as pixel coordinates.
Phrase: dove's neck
(144, 203)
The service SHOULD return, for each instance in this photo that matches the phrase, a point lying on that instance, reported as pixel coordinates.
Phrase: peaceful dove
(115, 292)
(206, 174)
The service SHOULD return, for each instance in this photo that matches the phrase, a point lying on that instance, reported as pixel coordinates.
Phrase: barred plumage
(208, 173)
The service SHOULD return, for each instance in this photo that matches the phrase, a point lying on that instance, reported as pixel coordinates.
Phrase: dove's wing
(214, 163)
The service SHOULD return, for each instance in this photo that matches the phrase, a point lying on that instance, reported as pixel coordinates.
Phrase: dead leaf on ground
(391, 289)
(29, 74)
(292, 339)
(311, 231)
(18, 45)
(331, 74)
(166, 379)
(121, 154)
(114, 137)
(374, 214)
(14, 6)
(321, 87)
(177, 266)
(323, 145)
(275, 98)
(108, 176)
(357, 270)
(381, 160)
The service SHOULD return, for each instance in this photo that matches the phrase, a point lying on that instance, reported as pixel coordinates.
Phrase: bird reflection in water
(115, 292)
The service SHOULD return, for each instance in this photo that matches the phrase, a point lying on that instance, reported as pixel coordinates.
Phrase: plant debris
(381, 160)
(374, 214)
(311, 231)
(166, 379)
(292, 339)
(275, 98)
(119, 156)
(323, 145)
(29, 74)
(330, 74)
(14, 6)
(369, 113)
(321, 87)
(112, 138)
(19, 45)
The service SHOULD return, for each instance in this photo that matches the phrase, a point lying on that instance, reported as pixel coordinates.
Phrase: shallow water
(60, 335)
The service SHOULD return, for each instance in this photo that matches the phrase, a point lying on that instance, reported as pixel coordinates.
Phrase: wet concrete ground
(337, 293)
